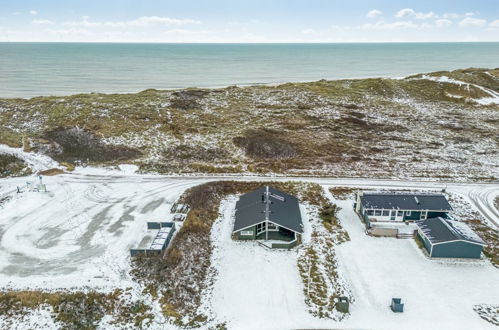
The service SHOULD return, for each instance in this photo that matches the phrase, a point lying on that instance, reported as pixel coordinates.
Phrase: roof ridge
(404, 193)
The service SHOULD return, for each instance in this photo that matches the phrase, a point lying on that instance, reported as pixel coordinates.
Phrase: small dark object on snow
(397, 306)
(343, 305)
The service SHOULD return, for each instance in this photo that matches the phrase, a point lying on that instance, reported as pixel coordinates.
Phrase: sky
(249, 21)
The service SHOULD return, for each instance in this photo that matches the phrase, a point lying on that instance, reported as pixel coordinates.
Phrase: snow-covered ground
(78, 234)
(260, 288)
(255, 287)
(437, 294)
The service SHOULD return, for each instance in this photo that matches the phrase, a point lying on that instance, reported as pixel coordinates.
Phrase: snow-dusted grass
(35, 161)
(436, 293)
(488, 312)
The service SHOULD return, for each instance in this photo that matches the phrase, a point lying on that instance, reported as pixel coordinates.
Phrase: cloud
(308, 31)
(494, 23)
(472, 22)
(139, 22)
(443, 22)
(450, 15)
(42, 22)
(406, 12)
(33, 12)
(389, 26)
(373, 13)
(409, 12)
(71, 32)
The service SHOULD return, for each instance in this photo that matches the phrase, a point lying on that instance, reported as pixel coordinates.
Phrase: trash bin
(343, 305)
(397, 306)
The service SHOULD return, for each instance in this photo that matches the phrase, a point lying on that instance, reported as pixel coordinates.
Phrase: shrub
(265, 144)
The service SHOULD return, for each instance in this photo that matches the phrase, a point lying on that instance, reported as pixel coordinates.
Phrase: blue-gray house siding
(457, 250)
(445, 238)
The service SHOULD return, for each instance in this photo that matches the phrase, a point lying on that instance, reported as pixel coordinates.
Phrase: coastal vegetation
(10, 165)
(358, 127)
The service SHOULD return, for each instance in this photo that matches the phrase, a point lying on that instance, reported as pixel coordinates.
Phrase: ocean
(35, 69)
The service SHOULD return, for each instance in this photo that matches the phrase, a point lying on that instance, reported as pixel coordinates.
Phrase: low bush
(76, 144)
(265, 144)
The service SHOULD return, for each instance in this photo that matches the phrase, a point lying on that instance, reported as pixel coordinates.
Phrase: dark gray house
(400, 206)
(445, 238)
(270, 215)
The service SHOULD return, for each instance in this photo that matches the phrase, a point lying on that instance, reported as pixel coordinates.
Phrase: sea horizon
(30, 69)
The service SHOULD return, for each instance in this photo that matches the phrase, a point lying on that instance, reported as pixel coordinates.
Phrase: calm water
(32, 69)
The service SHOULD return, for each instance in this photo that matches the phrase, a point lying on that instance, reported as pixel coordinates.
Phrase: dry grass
(10, 165)
(75, 144)
(265, 144)
(76, 310)
(490, 236)
(51, 172)
(342, 193)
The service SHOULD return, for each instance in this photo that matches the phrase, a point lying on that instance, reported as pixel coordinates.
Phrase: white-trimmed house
(270, 215)
(400, 206)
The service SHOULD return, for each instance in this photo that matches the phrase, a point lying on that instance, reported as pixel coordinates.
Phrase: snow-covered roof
(439, 230)
(405, 201)
(283, 210)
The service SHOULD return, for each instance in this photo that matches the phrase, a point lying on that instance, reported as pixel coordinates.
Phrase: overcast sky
(249, 21)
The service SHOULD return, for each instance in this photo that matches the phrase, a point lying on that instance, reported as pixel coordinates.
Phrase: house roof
(284, 210)
(439, 230)
(405, 201)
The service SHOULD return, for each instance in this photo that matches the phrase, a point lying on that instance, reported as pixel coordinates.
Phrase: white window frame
(408, 213)
(423, 215)
(262, 229)
(246, 232)
(272, 226)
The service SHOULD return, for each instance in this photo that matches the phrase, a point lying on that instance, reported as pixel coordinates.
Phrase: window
(386, 213)
(424, 214)
(246, 233)
(400, 213)
(271, 226)
(370, 212)
(377, 212)
(260, 228)
(408, 213)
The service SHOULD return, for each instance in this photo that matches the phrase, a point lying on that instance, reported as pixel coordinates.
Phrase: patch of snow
(494, 99)
(36, 162)
(80, 232)
(128, 168)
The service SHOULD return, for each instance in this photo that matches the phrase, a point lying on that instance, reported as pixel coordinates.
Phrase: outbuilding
(400, 206)
(445, 238)
(269, 215)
